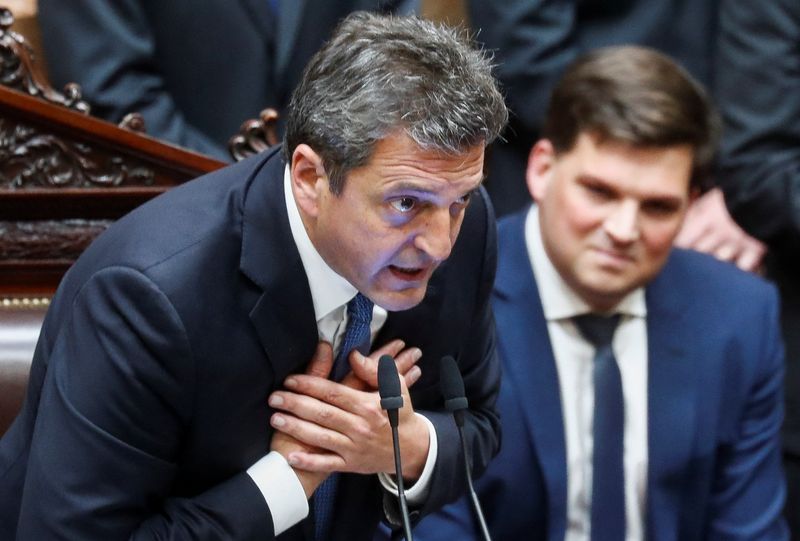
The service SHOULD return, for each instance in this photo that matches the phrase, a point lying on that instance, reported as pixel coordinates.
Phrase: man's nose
(436, 235)
(622, 225)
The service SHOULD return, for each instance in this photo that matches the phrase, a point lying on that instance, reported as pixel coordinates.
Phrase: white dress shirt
(574, 357)
(330, 294)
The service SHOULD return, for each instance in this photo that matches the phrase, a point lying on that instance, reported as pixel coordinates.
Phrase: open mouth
(409, 274)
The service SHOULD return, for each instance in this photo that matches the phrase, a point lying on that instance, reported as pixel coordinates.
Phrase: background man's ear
(308, 179)
(540, 168)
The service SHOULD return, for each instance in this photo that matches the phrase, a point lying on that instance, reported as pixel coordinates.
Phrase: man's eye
(403, 204)
(598, 191)
(464, 199)
(657, 208)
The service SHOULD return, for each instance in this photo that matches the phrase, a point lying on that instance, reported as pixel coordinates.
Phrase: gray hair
(380, 75)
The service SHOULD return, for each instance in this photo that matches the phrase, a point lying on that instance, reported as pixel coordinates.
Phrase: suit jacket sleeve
(107, 46)
(115, 406)
(758, 91)
(533, 41)
(749, 490)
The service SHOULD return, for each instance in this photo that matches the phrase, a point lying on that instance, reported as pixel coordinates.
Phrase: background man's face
(609, 212)
(396, 219)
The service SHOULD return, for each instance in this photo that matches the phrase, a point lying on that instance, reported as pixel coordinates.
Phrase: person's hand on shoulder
(709, 228)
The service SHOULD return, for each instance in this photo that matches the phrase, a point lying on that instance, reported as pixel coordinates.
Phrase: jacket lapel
(283, 316)
(533, 374)
(672, 398)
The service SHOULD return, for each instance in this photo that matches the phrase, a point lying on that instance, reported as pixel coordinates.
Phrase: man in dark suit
(147, 412)
(194, 70)
(536, 40)
(641, 393)
(758, 90)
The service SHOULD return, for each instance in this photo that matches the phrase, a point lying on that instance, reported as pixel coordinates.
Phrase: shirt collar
(329, 290)
(559, 301)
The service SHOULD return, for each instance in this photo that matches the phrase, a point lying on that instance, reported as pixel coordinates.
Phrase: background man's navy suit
(536, 40)
(194, 70)
(162, 345)
(714, 408)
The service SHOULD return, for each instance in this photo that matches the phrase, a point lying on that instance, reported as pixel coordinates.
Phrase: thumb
(361, 376)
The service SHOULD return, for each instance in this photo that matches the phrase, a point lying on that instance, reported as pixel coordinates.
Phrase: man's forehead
(399, 141)
(402, 159)
(613, 161)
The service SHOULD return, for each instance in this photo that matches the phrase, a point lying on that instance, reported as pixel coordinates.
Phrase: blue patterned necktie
(608, 474)
(356, 336)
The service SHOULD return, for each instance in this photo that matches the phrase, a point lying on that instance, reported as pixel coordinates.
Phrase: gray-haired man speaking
(180, 386)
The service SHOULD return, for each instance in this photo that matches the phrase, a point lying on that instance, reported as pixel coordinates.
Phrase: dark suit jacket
(714, 408)
(535, 41)
(148, 391)
(758, 85)
(195, 69)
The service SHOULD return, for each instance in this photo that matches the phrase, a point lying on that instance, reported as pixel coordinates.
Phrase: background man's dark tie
(356, 336)
(608, 474)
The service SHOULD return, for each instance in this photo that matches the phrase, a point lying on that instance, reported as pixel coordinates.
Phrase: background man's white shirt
(574, 358)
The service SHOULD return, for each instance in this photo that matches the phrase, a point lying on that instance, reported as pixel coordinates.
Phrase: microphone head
(389, 383)
(452, 385)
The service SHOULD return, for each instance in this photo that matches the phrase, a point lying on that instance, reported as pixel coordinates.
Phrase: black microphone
(455, 401)
(391, 401)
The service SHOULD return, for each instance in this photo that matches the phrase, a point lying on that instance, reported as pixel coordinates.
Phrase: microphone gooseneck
(392, 401)
(455, 401)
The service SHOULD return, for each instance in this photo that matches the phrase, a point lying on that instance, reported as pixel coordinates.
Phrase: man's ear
(540, 168)
(308, 179)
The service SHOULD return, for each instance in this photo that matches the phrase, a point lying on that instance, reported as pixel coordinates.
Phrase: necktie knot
(359, 310)
(596, 329)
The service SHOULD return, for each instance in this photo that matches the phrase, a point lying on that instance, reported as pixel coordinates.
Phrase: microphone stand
(476, 505)
(455, 401)
(392, 401)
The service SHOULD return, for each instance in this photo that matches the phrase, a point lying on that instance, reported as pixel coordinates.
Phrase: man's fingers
(363, 374)
(407, 359)
(693, 229)
(751, 257)
(392, 348)
(317, 462)
(366, 368)
(322, 361)
(284, 444)
(412, 376)
(319, 389)
(313, 410)
(308, 432)
(709, 243)
(748, 261)
(726, 252)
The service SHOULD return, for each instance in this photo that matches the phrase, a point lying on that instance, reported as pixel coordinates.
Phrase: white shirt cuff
(281, 489)
(416, 493)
